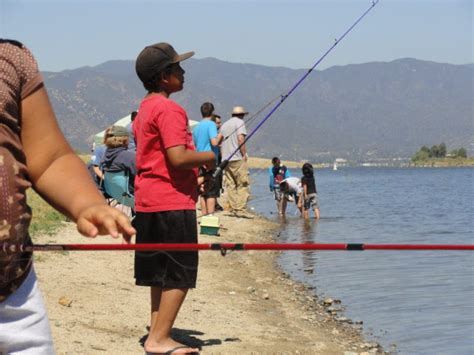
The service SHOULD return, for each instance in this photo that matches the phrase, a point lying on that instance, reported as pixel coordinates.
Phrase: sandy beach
(242, 305)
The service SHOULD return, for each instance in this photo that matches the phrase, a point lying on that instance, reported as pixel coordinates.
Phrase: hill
(360, 111)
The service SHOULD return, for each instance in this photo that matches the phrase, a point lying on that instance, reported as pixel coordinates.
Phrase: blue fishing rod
(225, 162)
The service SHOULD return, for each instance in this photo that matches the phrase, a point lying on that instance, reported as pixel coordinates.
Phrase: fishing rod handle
(220, 168)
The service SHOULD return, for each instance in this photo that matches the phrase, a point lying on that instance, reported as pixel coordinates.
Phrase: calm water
(422, 301)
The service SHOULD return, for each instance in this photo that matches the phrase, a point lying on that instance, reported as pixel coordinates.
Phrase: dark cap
(118, 131)
(153, 59)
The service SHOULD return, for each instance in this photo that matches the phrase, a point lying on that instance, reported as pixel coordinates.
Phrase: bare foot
(168, 346)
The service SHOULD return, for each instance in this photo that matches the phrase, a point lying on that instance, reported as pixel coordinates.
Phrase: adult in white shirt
(236, 175)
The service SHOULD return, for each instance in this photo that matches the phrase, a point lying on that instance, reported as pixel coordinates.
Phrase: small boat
(334, 167)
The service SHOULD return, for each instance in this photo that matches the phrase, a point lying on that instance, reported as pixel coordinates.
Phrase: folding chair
(116, 186)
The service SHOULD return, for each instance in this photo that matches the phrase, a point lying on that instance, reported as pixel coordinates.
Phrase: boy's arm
(272, 178)
(215, 136)
(58, 174)
(182, 158)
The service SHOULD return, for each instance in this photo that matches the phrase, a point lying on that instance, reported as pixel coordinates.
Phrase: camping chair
(116, 186)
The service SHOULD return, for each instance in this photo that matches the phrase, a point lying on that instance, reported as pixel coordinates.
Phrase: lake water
(422, 301)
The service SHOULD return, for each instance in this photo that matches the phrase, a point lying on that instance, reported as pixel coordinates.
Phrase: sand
(242, 305)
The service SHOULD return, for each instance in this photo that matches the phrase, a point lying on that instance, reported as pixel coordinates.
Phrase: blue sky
(68, 34)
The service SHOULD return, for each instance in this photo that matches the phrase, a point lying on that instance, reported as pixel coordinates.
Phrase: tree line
(438, 151)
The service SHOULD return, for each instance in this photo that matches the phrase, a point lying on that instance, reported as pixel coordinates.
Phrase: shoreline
(244, 302)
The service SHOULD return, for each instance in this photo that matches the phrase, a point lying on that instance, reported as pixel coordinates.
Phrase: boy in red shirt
(166, 192)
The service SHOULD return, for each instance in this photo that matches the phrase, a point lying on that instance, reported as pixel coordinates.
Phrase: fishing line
(225, 162)
(254, 116)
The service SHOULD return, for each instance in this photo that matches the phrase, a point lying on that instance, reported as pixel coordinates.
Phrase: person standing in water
(292, 191)
(277, 174)
(310, 193)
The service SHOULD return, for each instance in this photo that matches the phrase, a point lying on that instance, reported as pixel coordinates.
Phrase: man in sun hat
(236, 175)
(166, 191)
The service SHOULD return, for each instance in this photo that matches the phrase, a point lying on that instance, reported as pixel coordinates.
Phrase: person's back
(230, 130)
(234, 150)
(206, 139)
(310, 182)
(117, 157)
(203, 133)
(294, 185)
(310, 193)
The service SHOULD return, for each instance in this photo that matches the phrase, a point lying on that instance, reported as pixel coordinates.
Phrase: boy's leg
(168, 302)
(203, 205)
(210, 205)
(155, 296)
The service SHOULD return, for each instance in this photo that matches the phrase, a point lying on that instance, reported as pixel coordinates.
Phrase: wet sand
(243, 304)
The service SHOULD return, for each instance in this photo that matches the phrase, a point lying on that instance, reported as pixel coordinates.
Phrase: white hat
(239, 110)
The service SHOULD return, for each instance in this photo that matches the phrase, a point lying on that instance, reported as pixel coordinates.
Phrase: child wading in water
(166, 192)
(310, 194)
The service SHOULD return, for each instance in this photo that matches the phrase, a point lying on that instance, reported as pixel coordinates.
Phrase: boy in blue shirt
(207, 139)
(277, 174)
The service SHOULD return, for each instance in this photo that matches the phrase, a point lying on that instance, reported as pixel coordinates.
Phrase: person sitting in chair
(117, 157)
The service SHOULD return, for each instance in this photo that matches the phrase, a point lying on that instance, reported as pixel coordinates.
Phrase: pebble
(266, 296)
(232, 293)
(328, 301)
(65, 301)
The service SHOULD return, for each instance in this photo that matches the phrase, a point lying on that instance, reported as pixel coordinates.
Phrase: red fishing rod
(224, 247)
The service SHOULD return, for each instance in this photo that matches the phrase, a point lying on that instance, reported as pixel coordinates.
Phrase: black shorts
(213, 186)
(166, 269)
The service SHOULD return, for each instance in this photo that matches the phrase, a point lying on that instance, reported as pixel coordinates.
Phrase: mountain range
(359, 112)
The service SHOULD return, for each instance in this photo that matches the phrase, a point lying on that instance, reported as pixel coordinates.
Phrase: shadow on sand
(190, 338)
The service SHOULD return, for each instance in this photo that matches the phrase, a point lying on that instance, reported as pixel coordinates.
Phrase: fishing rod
(224, 247)
(225, 162)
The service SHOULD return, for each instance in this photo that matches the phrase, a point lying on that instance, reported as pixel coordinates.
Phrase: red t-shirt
(161, 124)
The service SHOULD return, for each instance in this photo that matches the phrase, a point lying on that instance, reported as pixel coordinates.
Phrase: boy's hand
(102, 219)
